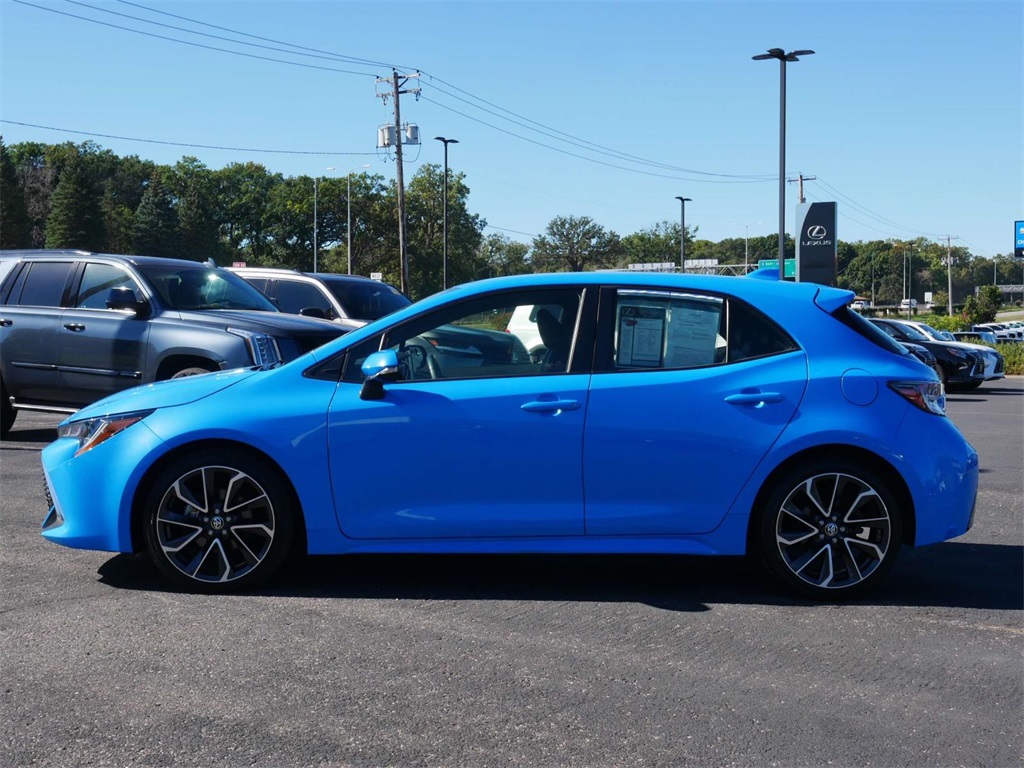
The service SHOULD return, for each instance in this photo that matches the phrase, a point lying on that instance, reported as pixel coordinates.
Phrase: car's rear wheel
(830, 529)
(218, 520)
(7, 411)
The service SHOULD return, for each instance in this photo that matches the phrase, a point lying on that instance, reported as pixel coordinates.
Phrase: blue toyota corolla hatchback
(662, 414)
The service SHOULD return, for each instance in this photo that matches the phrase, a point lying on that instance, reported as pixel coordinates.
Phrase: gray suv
(77, 326)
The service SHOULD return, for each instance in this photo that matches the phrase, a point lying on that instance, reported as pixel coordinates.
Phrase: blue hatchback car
(677, 414)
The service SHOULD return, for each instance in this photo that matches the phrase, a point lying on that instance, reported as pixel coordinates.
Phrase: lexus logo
(816, 232)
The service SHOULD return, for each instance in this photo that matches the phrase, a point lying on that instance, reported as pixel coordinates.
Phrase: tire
(193, 371)
(7, 412)
(830, 529)
(218, 520)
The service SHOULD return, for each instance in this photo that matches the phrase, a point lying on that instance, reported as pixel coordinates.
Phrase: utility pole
(397, 82)
(800, 189)
(949, 270)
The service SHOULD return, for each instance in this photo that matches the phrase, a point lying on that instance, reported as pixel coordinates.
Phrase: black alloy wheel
(831, 529)
(218, 521)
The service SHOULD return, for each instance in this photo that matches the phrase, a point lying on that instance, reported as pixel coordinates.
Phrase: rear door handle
(4, 322)
(76, 327)
(754, 398)
(545, 406)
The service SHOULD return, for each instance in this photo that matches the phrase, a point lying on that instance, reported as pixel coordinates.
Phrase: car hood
(267, 322)
(164, 394)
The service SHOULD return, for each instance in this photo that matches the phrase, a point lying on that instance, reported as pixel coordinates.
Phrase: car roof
(284, 272)
(40, 254)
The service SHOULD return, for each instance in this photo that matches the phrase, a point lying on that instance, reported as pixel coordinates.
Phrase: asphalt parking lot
(518, 661)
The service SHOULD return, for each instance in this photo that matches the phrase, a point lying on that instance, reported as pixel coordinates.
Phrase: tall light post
(783, 57)
(316, 181)
(682, 231)
(348, 222)
(910, 281)
(446, 142)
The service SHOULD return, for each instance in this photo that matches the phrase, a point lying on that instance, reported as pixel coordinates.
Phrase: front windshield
(935, 334)
(367, 300)
(203, 288)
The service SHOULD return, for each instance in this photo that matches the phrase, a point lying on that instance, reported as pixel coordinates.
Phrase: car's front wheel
(218, 520)
(831, 529)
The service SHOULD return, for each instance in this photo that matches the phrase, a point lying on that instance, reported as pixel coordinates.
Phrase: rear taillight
(927, 395)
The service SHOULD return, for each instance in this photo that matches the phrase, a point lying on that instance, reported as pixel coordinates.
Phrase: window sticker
(641, 335)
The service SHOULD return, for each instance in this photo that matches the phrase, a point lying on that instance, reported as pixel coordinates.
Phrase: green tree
(503, 256)
(155, 226)
(15, 227)
(576, 244)
(76, 219)
(192, 185)
(243, 200)
(657, 244)
(123, 190)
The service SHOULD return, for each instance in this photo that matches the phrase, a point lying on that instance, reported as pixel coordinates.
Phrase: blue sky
(909, 114)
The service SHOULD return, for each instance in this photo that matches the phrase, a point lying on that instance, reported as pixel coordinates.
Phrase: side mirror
(377, 369)
(123, 297)
(313, 312)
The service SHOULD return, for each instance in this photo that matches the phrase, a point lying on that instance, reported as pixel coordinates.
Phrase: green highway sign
(774, 264)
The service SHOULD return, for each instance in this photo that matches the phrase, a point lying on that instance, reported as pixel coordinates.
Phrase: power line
(191, 146)
(194, 45)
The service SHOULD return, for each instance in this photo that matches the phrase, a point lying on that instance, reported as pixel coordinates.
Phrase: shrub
(1013, 351)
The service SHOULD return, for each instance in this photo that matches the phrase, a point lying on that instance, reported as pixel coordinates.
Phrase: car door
(689, 393)
(29, 328)
(475, 440)
(101, 350)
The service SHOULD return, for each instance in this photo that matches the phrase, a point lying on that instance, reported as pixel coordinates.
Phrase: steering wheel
(433, 367)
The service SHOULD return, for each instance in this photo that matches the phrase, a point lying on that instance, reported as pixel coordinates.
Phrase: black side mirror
(123, 297)
(313, 312)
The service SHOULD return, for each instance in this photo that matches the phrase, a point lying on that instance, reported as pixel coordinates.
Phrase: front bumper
(89, 496)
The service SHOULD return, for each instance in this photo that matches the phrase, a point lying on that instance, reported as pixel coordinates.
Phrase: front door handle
(76, 327)
(5, 323)
(546, 406)
(754, 398)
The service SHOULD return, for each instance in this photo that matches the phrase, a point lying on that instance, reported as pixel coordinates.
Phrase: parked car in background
(995, 364)
(670, 413)
(959, 366)
(78, 326)
(924, 355)
(986, 338)
(349, 298)
(908, 303)
(1000, 331)
(860, 304)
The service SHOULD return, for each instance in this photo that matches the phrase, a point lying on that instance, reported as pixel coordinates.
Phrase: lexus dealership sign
(816, 243)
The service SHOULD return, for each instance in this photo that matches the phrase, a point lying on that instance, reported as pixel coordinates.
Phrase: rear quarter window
(869, 330)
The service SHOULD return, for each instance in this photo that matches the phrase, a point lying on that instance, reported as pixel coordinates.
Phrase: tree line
(83, 196)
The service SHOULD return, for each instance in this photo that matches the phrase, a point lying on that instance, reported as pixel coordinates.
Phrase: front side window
(97, 280)
(41, 284)
(294, 296)
(369, 300)
(472, 339)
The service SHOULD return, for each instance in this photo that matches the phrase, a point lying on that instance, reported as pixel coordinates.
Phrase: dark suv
(325, 294)
(77, 326)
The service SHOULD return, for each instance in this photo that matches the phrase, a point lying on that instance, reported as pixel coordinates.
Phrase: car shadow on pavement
(961, 575)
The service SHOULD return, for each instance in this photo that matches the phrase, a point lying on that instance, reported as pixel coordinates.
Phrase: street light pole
(446, 142)
(682, 231)
(316, 180)
(783, 57)
(348, 221)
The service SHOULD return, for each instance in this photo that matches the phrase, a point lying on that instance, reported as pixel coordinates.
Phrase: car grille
(53, 517)
(1000, 364)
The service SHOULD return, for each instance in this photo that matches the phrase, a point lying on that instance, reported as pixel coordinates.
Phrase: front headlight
(963, 354)
(91, 432)
(262, 347)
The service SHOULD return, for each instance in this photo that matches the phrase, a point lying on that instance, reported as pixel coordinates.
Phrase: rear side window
(41, 284)
(869, 330)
